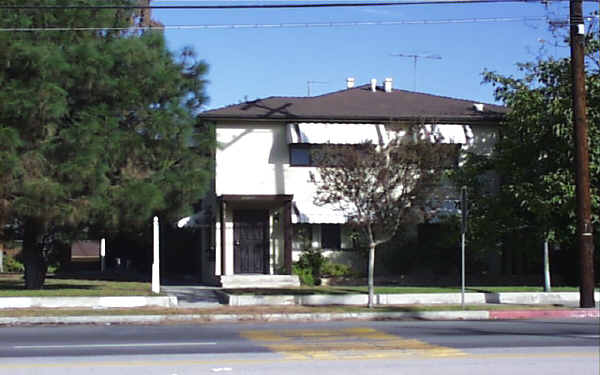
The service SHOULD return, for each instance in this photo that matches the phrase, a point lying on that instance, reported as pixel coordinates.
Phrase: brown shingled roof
(359, 103)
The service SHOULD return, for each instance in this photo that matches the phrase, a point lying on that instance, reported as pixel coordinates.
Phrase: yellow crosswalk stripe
(349, 343)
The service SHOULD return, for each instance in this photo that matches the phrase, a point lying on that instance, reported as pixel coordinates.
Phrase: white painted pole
(103, 255)
(1, 258)
(547, 287)
(463, 230)
(156, 259)
(462, 267)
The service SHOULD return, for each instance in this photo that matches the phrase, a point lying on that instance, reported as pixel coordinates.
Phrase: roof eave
(389, 119)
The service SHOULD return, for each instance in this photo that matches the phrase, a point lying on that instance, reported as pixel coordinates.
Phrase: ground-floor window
(323, 236)
(331, 236)
(302, 236)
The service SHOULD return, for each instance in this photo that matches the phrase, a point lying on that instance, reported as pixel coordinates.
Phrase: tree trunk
(371, 272)
(35, 265)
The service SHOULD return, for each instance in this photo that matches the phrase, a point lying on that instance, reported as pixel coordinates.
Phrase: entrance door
(250, 246)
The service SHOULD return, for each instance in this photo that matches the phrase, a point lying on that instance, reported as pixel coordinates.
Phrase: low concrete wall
(406, 299)
(87, 302)
(429, 298)
(544, 298)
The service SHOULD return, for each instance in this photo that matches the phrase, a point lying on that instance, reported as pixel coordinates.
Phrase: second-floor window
(312, 155)
(300, 155)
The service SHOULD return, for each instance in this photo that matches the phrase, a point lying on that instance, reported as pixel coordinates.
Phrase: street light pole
(585, 240)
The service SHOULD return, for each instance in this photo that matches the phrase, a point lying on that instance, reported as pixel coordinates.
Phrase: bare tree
(378, 186)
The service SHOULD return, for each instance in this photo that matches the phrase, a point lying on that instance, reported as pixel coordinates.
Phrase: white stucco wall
(253, 159)
(483, 141)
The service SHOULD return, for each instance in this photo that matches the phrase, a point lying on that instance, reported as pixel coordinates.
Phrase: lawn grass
(13, 286)
(262, 310)
(56, 286)
(345, 290)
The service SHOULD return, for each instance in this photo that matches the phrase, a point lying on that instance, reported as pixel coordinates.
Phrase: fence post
(103, 255)
(156, 259)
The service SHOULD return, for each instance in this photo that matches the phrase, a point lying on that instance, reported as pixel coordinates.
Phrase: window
(306, 155)
(300, 155)
(302, 236)
(331, 236)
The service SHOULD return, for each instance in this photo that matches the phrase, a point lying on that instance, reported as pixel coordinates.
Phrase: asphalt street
(409, 347)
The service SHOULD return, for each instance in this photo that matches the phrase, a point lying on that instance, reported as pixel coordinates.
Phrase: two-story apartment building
(261, 214)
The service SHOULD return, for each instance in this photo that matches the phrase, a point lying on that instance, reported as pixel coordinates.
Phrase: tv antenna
(415, 57)
(309, 83)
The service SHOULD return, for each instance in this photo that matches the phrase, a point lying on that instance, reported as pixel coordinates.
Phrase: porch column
(223, 235)
(287, 236)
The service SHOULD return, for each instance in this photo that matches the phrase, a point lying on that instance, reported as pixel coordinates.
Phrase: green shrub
(12, 265)
(312, 265)
(331, 269)
(304, 274)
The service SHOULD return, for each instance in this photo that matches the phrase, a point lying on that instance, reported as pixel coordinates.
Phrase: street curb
(281, 317)
(546, 314)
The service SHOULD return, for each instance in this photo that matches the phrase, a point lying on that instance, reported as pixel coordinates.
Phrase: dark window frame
(312, 149)
(297, 147)
(331, 236)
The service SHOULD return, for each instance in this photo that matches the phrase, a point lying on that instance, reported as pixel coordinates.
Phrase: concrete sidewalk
(206, 297)
(206, 305)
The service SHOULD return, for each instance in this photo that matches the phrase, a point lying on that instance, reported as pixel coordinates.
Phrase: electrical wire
(288, 25)
(269, 6)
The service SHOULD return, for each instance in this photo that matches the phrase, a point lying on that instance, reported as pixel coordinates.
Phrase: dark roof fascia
(256, 197)
(474, 120)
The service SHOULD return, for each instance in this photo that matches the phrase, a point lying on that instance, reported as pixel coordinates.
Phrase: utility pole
(415, 57)
(585, 239)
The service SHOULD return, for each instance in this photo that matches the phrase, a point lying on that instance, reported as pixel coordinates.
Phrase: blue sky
(252, 63)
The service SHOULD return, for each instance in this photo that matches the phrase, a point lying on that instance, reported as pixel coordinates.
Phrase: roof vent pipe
(350, 82)
(373, 85)
(387, 85)
(478, 107)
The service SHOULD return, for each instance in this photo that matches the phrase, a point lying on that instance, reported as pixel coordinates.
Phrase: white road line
(131, 345)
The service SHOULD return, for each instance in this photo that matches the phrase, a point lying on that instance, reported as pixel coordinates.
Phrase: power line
(268, 6)
(286, 25)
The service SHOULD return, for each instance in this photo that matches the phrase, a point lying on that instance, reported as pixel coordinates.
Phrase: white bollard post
(547, 287)
(103, 255)
(156, 259)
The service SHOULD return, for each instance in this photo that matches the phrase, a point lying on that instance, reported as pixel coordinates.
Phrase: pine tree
(100, 125)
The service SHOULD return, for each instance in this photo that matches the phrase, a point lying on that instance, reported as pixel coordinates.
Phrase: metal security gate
(251, 245)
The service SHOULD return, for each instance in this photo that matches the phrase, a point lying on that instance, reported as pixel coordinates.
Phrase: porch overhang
(263, 201)
(271, 200)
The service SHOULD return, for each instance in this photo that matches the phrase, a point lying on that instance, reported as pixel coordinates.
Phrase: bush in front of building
(312, 266)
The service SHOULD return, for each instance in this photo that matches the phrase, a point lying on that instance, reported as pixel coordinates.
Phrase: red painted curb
(551, 314)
